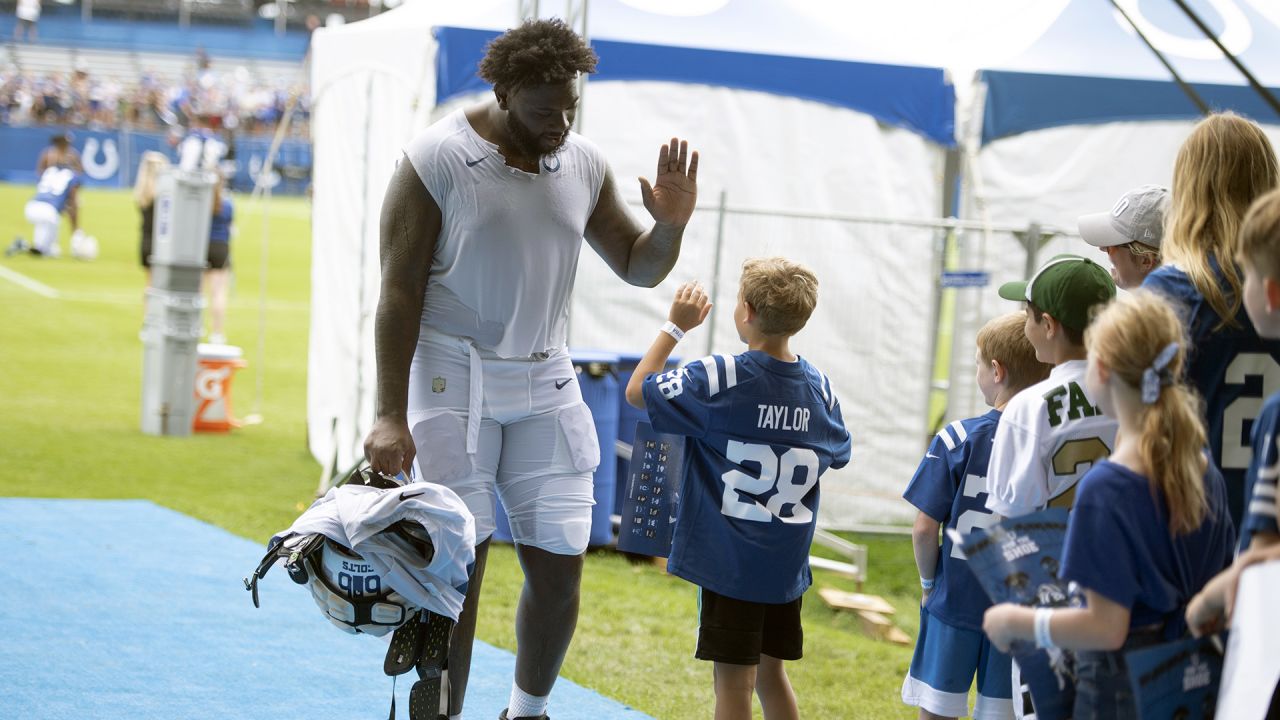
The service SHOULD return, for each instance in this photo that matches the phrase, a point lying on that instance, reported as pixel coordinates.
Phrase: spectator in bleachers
(84, 98)
(28, 12)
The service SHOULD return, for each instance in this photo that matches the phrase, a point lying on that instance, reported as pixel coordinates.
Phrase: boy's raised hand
(690, 306)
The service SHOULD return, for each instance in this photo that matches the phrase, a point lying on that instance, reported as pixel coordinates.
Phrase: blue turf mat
(124, 610)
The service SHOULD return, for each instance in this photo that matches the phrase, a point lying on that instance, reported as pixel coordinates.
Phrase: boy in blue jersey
(1258, 254)
(949, 488)
(762, 427)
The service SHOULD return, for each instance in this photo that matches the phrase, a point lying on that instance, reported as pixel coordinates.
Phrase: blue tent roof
(916, 98)
(1089, 67)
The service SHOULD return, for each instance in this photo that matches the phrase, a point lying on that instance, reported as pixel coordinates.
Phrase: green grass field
(69, 428)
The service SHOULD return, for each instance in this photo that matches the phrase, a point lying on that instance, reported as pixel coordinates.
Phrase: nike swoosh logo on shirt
(473, 163)
(561, 383)
(931, 455)
(406, 495)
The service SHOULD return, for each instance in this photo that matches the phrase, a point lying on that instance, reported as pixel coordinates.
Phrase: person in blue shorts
(950, 488)
(762, 426)
(1259, 256)
(1150, 525)
(216, 276)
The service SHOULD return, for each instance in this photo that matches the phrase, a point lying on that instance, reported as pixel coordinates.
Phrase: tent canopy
(916, 98)
(1090, 67)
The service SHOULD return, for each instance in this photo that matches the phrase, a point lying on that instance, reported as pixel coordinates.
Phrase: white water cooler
(172, 326)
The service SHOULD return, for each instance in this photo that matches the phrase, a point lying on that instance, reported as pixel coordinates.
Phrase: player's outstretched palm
(671, 198)
(690, 306)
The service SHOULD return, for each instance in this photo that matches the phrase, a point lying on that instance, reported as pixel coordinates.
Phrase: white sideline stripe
(34, 286)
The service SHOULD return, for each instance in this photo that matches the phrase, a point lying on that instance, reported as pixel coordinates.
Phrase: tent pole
(262, 192)
(1186, 89)
(943, 313)
(580, 16)
(1253, 82)
(715, 271)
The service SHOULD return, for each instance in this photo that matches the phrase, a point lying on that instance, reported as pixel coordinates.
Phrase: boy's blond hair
(783, 294)
(1259, 245)
(1004, 339)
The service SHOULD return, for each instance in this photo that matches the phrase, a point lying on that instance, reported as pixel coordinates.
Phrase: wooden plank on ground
(842, 600)
(880, 627)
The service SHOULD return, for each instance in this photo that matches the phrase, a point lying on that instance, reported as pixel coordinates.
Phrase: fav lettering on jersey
(1069, 398)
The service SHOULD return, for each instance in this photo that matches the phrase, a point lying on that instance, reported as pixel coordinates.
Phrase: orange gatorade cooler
(215, 367)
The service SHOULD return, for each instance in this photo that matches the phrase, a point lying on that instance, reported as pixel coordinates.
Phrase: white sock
(522, 704)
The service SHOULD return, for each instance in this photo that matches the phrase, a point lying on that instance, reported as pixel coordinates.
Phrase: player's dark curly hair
(539, 52)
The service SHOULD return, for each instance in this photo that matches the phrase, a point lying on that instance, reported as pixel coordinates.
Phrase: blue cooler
(601, 391)
(628, 416)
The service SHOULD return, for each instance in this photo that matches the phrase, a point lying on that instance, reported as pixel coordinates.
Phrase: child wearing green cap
(1052, 432)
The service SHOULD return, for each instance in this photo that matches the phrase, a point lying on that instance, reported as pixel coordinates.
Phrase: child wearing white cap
(1130, 233)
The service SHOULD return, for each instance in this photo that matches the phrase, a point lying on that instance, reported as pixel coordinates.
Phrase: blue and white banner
(111, 157)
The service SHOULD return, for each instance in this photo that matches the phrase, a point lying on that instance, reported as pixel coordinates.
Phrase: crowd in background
(234, 100)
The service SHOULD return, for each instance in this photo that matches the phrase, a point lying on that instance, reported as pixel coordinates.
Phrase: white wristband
(673, 330)
(1043, 640)
(926, 583)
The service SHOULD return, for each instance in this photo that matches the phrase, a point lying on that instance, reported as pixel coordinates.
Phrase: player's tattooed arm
(639, 256)
(409, 225)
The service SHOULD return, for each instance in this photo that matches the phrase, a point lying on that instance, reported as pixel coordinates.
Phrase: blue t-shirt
(220, 225)
(1260, 510)
(1119, 545)
(55, 186)
(761, 431)
(1233, 369)
(950, 486)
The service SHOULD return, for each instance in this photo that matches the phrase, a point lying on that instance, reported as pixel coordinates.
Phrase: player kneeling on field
(379, 557)
(762, 426)
(950, 488)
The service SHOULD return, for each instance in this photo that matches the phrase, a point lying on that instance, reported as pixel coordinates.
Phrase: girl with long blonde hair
(1223, 166)
(150, 168)
(1149, 527)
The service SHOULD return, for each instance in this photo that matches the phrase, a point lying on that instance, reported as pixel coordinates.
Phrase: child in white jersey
(1052, 432)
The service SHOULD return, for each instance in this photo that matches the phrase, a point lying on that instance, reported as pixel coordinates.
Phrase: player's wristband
(673, 330)
(926, 583)
(1043, 640)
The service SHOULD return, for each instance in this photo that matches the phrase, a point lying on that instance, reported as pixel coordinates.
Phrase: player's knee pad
(551, 513)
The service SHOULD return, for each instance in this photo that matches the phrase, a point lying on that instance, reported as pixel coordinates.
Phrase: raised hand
(671, 198)
(690, 306)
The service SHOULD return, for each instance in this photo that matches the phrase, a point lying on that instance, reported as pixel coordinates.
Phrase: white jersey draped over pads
(353, 515)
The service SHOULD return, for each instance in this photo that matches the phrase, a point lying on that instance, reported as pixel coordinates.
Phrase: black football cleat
(503, 716)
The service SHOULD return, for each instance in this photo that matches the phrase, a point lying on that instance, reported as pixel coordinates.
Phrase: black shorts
(219, 255)
(738, 632)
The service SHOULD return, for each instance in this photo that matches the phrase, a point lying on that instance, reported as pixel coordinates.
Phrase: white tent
(803, 132)
(1084, 113)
